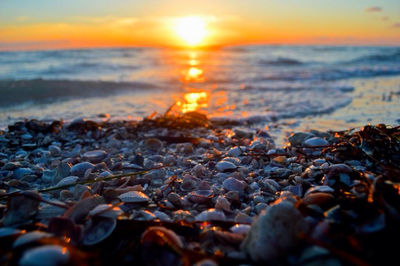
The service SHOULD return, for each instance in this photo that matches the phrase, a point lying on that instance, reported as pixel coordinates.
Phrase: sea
(286, 87)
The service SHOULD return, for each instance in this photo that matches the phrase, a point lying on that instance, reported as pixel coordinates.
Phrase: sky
(49, 24)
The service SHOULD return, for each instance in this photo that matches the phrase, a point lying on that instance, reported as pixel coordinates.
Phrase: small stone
(243, 218)
(80, 168)
(62, 170)
(225, 166)
(95, 156)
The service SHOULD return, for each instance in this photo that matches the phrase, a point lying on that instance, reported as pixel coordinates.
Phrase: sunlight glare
(193, 101)
(191, 29)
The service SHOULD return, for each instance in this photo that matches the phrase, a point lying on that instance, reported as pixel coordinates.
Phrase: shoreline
(216, 192)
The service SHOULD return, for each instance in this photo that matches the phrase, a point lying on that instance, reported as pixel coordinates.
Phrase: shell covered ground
(181, 189)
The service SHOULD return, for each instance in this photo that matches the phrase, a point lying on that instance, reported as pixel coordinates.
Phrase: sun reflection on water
(193, 101)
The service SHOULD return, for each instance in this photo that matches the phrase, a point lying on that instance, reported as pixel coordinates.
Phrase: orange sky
(63, 24)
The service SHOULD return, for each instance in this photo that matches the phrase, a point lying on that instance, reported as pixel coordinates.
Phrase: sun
(191, 29)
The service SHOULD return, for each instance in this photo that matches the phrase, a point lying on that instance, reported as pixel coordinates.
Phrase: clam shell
(106, 210)
(69, 180)
(134, 197)
(211, 215)
(160, 235)
(100, 229)
(83, 207)
(49, 254)
(30, 237)
(200, 196)
(232, 184)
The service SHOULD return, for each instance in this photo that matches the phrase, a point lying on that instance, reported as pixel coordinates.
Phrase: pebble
(235, 152)
(21, 172)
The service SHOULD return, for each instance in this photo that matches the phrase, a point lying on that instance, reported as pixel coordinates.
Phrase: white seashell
(274, 232)
(69, 180)
(106, 210)
(240, 228)
(225, 166)
(134, 197)
(30, 237)
(45, 255)
(211, 215)
(100, 229)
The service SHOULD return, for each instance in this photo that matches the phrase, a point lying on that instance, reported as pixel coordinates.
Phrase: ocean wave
(382, 57)
(44, 91)
(281, 61)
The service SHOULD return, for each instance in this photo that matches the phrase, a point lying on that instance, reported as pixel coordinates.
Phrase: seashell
(240, 228)
(322, 199)
(235, 152)
(235, 161)
(200, 171)
(95, 156)
(211, 215)
(314, 189)
(189, 183)
(159, 235)
(106, 210)
(146, 215)
(48, 211)
(223, 204)
(69, 180)
(298, 138)
(45, 255)
(162, 216)
(21, 208)
(153, 145)
(9, 231)
(81, 209)
(62, 170)
(315, 142)
(30, 237)
(232, 184)
(275, 232)
(65, 227)
(243, 218)
(182, 215)
(175, 199)
(81, 168)
(100, 229)
(200, 196)
(134, 197)
(223, 166)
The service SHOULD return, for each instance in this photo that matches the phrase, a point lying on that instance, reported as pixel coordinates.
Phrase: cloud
(385, 18)
(373, 9)
(396, 25)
